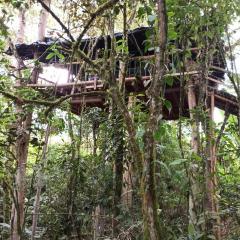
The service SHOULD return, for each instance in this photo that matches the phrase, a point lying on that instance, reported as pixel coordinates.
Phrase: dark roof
(136, 41)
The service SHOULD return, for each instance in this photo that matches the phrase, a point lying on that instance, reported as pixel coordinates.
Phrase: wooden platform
(137, 56)
(223, 100)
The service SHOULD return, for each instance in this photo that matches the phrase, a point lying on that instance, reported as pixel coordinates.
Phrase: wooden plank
(226, 100)
(88, 100)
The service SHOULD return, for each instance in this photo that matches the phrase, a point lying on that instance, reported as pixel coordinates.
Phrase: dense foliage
(85, 168)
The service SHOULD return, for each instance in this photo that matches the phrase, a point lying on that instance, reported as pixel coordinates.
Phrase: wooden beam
(214, 80)
(88, 100)
(226, 100)
(92, 82)
(63, 85)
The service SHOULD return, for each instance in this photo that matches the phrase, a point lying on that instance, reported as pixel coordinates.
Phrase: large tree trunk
(23, 128)
(156, 94)
(21, 156)
(23, 137)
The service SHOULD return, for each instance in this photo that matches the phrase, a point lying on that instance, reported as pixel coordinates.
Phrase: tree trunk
(150, 205)
(145, 161)
(98, 223)
(40, 183)
(211, 202)
(41, 34)
(21, 156)
(73, 185)
(118, 167)
(194, 193)
(95, 127)
(42, 25)
(22, 142)
(23, 136)
(118, 143)
(127, 190)
(156, 94)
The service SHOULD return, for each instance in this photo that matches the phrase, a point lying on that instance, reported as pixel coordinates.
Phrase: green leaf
(169, 81)
(148, 10)
(61, 56)
(141, 12)
(177, 162)
(211, 237)
(191, 229)
(168, 105)
(165, 166)
(116, 10)
(160, 132)
(172, 35)
(171, 14)
(26, 73)
(50, 55)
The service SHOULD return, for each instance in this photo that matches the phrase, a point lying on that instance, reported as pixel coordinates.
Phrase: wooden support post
(95, 83)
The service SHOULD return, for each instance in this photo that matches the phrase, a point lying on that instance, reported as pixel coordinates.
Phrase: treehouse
(138, 74)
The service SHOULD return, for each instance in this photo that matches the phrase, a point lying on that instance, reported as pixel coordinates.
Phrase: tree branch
(45, 6)
(98, 12)
(87, 59)
(227, 114)
(50, 104)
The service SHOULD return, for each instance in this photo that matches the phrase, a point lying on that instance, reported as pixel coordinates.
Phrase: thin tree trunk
(95, 127)
(40, 183)
(73, 183)
(42, 25)
(118, 144)
(41, 34)
(97, 223)
(71, 187)
(194, 197)
(211, 202)
(118, 166)
(127, 188)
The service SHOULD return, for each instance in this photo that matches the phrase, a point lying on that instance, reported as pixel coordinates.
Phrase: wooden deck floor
(96, 98)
